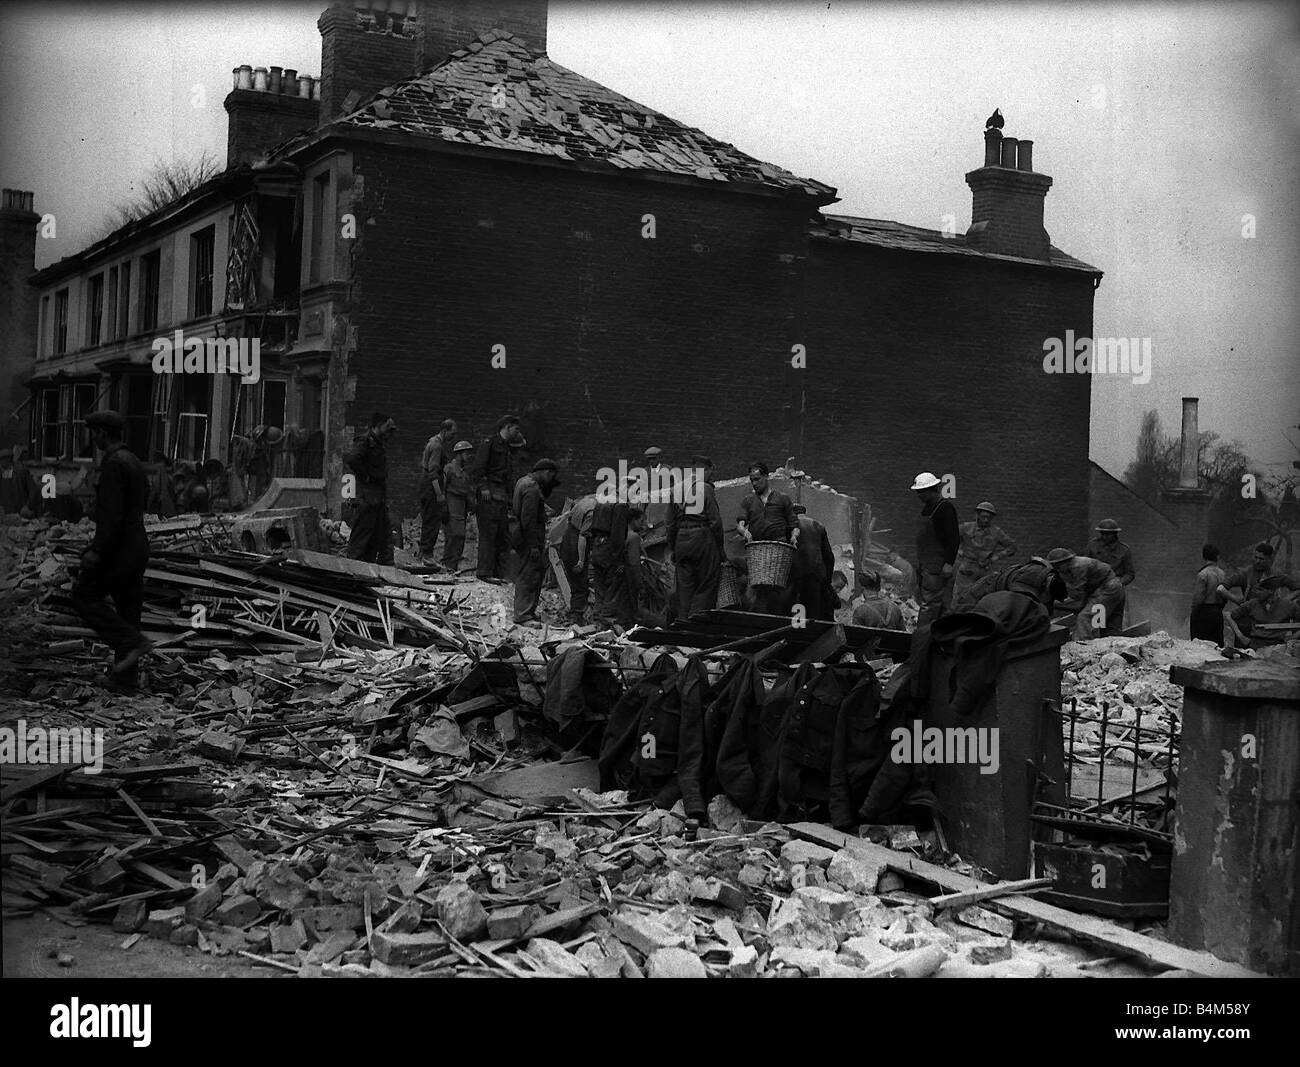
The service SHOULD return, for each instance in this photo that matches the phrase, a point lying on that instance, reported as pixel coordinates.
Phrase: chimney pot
(1025, 156)
(273, 83)
(992, 149)
(17, 200)
(245, 80)
(290, 81)
(304, 86)
(1008, 153)
(1189, 474)
(315, 89)
(259, 79)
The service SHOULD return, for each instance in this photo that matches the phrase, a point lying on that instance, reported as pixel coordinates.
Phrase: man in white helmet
(938, 538)
(983, 547)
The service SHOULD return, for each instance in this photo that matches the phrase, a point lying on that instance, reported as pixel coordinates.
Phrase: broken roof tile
(449, 103)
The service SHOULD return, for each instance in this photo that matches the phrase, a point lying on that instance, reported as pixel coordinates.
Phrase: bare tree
(1220, 463)
(165, 183)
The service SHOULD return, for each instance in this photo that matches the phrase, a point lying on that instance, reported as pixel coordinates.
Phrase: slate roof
(497, 93)
(884, 234)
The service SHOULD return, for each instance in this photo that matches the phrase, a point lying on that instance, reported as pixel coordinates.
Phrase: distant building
(447, 197)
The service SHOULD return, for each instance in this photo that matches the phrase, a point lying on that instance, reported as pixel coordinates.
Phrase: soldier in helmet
(983, 547)
(1094, 586)
(1108, 548)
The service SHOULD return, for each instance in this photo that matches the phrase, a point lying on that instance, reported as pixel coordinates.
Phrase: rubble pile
(398, 802)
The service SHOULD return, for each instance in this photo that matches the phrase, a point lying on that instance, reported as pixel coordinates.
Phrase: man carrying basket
(767, 516)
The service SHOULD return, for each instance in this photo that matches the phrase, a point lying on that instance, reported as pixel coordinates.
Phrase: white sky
(1199, 125)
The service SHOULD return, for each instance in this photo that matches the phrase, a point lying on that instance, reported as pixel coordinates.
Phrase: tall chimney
(18, 304)
(1007, 201)
(261, 118)
(445, 26)
(365, 45)
(1189, 472)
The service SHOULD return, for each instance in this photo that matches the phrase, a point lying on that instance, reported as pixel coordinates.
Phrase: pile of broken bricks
(596, 888)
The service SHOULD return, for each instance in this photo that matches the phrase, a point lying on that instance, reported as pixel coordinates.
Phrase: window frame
(203, 247)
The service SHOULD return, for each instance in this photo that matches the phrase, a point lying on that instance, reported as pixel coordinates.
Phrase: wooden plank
(541, 780)
(1090, 928)
(36, 779)
(991, 892)
(832, 642)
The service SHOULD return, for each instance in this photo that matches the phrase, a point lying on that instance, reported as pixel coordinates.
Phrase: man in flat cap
(490, 472)
(114, 564)
(529, 505)
(695, 541)
(372, 530)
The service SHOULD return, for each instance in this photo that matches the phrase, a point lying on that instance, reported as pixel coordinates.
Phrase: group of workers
(597, 543)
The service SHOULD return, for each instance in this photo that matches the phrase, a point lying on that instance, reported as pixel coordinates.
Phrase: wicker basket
(769, 562)
(729, 587)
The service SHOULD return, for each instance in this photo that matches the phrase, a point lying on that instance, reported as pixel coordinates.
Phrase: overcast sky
(1161, 124)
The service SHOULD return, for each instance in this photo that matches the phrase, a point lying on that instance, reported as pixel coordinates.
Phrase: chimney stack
(365, 45)
(1189, 470)
(266, 108)
(18, 304)
(1008, 195)
(446, 26)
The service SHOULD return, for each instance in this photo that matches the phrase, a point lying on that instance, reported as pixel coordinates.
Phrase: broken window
(111, 304)
(124, 303)
(194, 407)
(50, 426)
(60, 322)
(137, 393)
(95, 310)
(202, 252)
(150, 265)
(83, 403)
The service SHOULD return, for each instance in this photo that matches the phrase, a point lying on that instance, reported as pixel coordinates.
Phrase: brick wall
(934, 362)
(1166, 544)
(616, 341)
(444, 26)
(356, 55)
(1007, 212)
(261, 120)
(18, 315)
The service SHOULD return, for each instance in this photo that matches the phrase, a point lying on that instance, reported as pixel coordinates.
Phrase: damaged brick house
(481, 230)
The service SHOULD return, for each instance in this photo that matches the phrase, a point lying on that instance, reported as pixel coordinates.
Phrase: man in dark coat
(938, 537)
(814, 563)
(114, 564)
(695, 541)
(491, 473)
(372, 531)
(530, 496)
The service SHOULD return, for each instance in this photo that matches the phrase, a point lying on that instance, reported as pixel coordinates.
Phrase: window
(274, 394)
(149, 268)
(137, 408)
(111, 303)
(320, 189)
(95, 310)
(50, 431)
(202, 247)
(124, 302)
(195, 407)
(43, 342)
(60, 322)
(83, 403)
